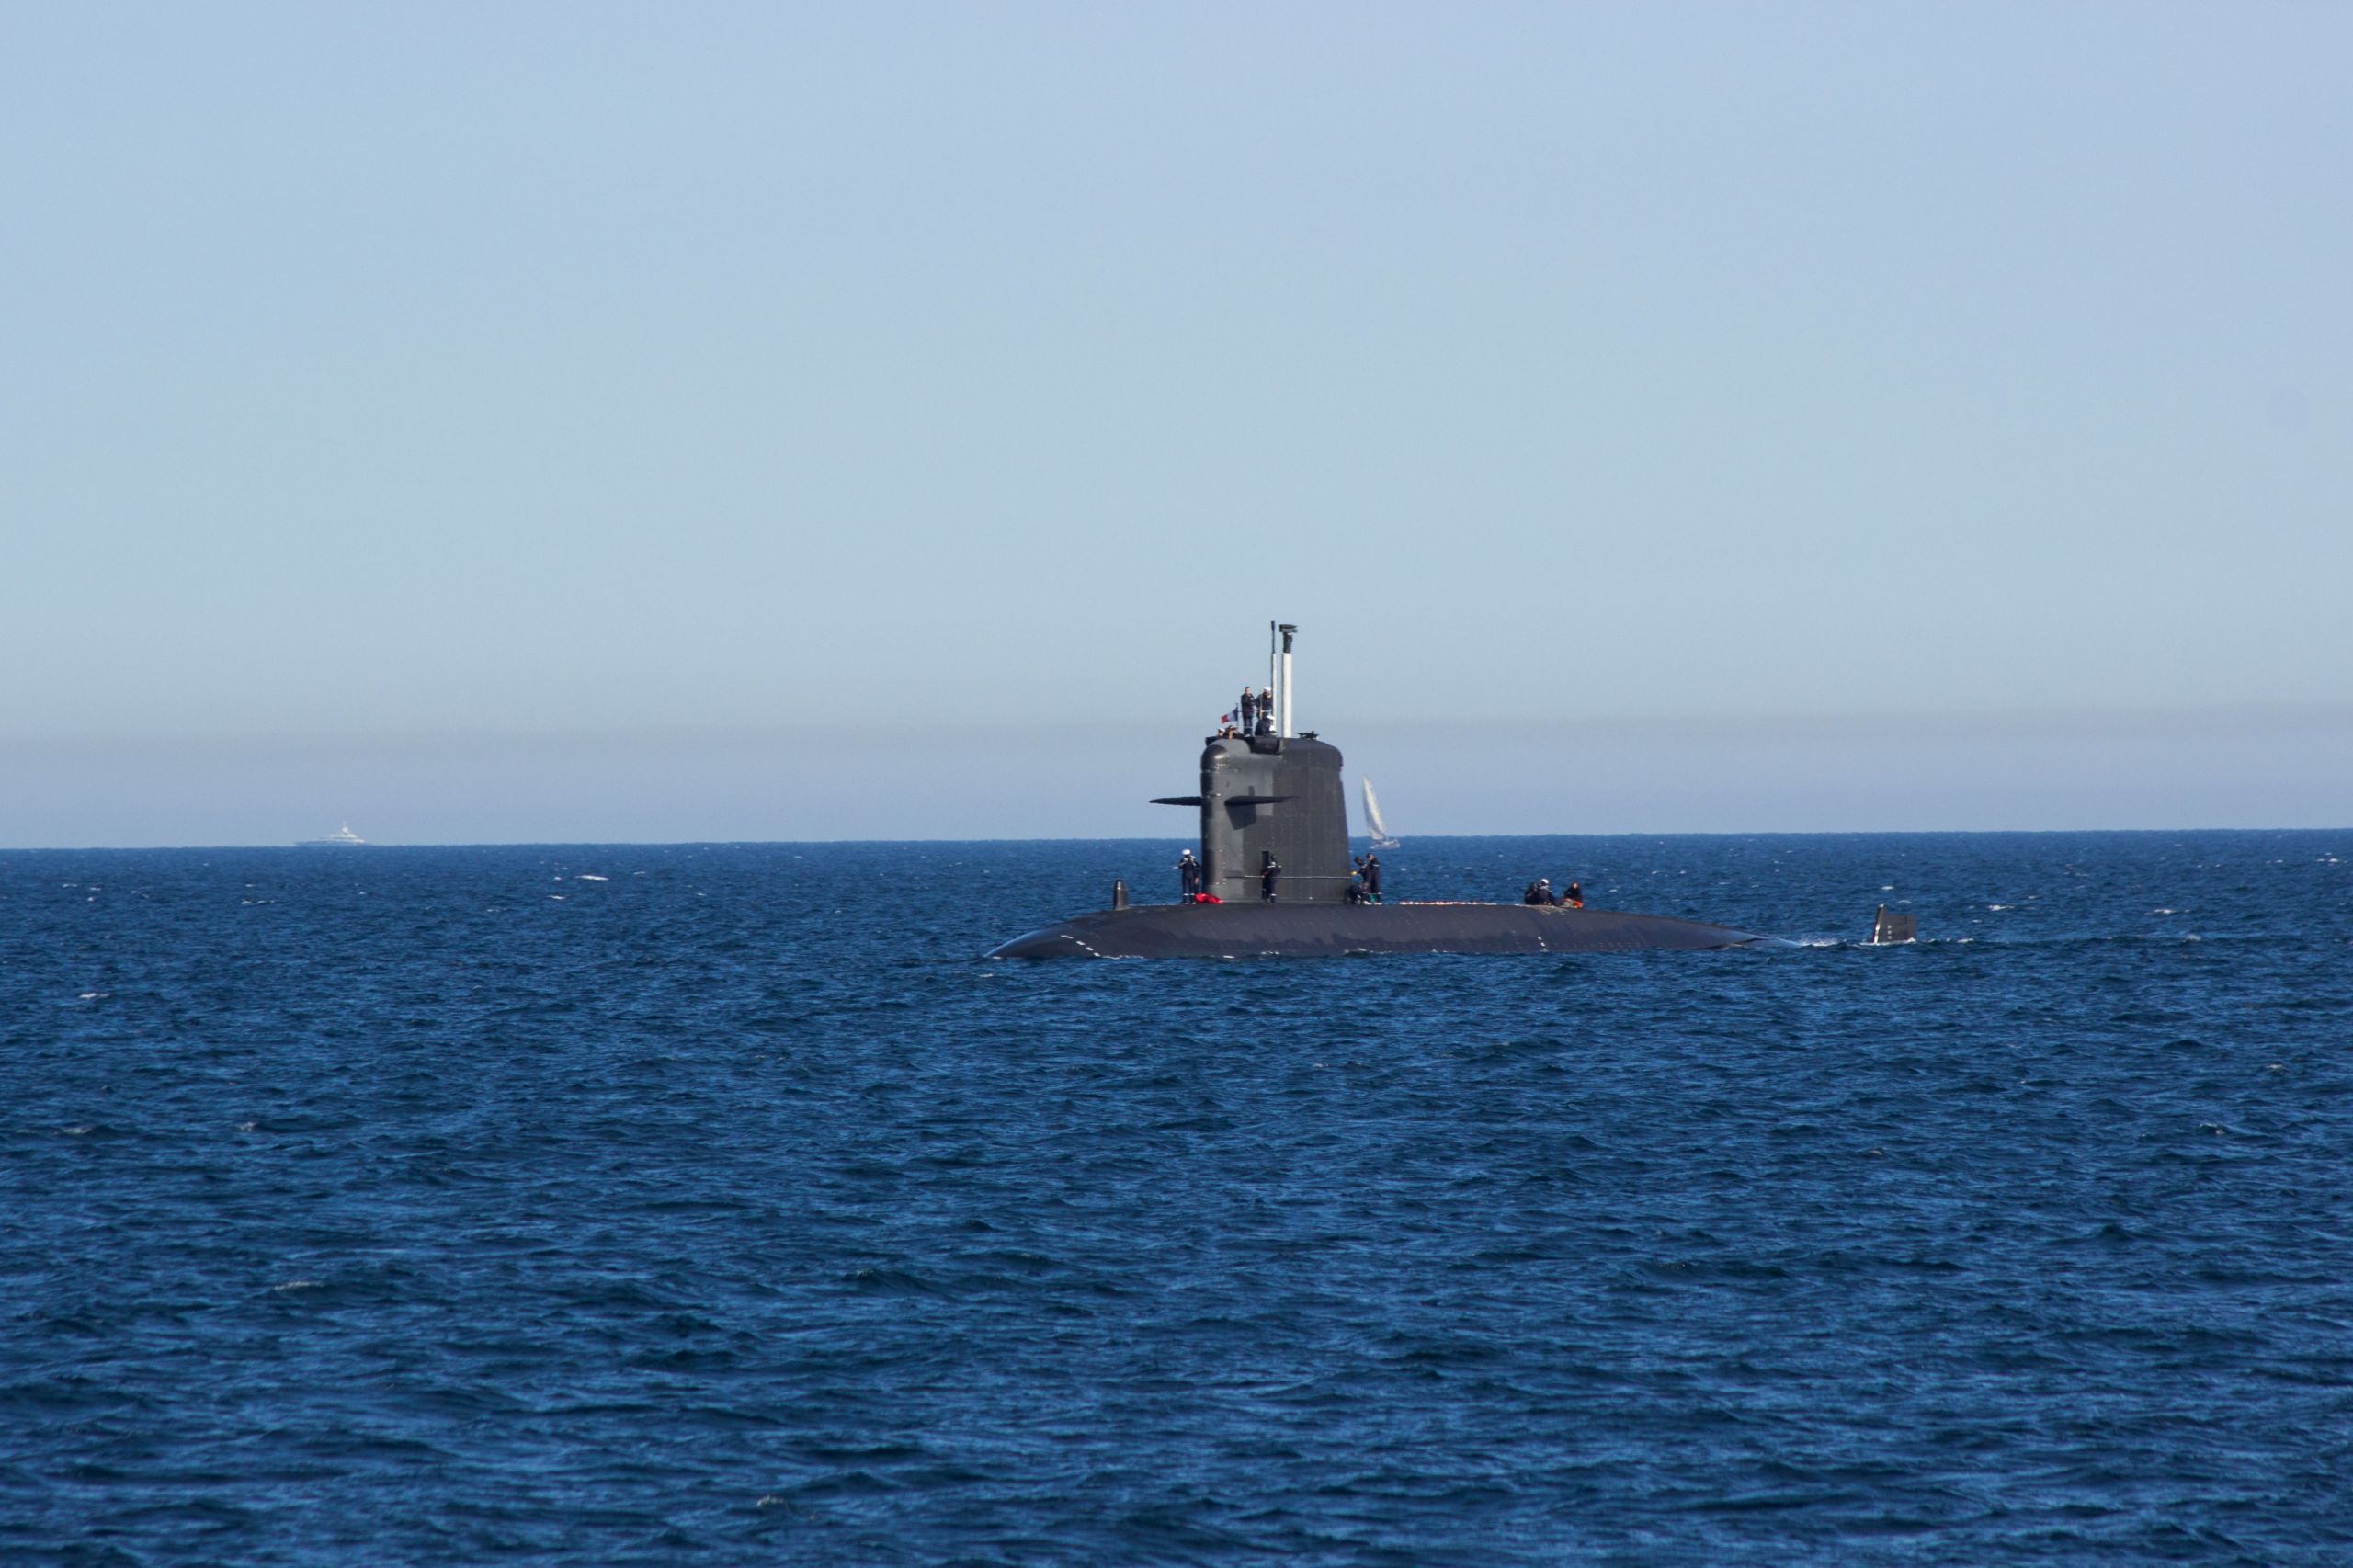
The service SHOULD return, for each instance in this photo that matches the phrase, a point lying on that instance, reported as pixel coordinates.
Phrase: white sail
(1378, 831)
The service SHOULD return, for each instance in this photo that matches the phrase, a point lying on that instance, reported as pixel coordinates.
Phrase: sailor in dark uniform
(1575, 897)
(1268, 873)
(1248, 708)
(1189, 874)
(1539, 891)
(1265, 711)
(1372, 878)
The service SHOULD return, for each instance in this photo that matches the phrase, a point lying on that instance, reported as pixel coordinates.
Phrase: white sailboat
(1373, 825)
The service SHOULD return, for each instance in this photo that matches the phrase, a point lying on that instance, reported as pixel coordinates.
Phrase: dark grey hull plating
(1263, 930)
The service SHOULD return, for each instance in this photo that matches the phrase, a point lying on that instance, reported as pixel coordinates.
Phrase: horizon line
(330, 850)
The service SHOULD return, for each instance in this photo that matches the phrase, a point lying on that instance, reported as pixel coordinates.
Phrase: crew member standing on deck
(1189, 875)
(1372, 878)
(1268, 873)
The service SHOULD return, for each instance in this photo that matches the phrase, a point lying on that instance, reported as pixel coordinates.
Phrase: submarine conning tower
(1273, 791)
(1279, 793)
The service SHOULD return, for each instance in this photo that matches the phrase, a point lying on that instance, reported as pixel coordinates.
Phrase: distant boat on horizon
(1380, 839)
(335, 840)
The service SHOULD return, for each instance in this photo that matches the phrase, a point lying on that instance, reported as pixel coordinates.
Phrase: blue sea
(721, 1205)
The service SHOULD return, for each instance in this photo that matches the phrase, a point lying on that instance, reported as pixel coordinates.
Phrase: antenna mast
(1282, 708)
(1274, 679)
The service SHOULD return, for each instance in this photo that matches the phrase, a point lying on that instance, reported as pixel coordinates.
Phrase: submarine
(1270, 796)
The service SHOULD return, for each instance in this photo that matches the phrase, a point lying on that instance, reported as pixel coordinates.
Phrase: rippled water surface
(618, 1205)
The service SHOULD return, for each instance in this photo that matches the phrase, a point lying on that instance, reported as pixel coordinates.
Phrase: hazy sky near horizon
(482, 394)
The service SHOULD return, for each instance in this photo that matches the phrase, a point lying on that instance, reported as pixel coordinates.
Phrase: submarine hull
(1275, 930)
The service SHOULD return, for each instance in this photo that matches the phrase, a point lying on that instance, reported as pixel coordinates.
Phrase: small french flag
(1227, 719)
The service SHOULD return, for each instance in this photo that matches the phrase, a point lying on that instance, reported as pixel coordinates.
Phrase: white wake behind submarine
(1270, 796)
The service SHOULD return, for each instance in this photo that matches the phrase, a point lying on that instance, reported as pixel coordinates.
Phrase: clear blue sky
(493, 422)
